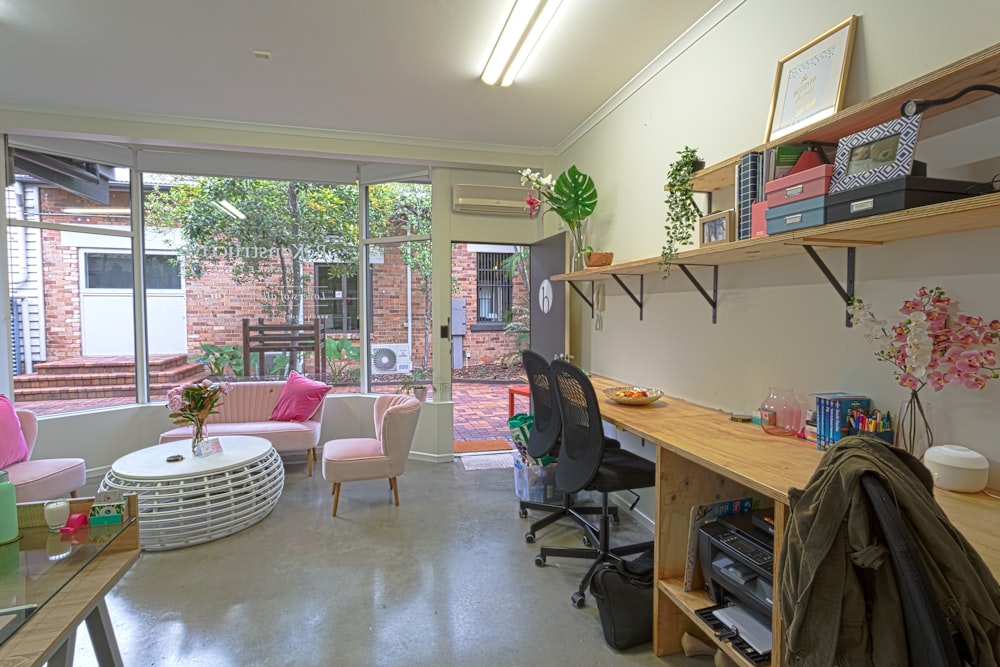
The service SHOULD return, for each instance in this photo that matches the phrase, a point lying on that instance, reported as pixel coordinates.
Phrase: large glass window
(268, 274)
(399, 278)
(68, 258)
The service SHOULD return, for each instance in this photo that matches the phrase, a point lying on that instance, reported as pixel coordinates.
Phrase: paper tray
(707, 614)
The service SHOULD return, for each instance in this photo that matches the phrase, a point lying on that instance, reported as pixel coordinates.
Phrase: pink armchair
(357, 459)
(44, 479)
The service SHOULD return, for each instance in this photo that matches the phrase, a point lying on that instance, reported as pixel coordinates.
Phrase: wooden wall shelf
(960, 215)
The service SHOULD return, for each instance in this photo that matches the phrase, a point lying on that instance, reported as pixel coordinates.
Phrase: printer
(736, 553)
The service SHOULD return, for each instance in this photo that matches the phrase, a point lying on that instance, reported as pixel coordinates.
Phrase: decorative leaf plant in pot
(572, 196)
(682, 212)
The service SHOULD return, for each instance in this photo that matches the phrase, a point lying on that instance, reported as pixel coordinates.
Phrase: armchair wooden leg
(336, 496)
(395, 489)
(73, 494)
(310, 457)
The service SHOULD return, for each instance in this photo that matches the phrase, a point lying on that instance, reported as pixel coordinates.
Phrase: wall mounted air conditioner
(391, 359)
(492, 199)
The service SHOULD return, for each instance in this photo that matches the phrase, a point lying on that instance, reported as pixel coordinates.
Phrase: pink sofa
(246, 410)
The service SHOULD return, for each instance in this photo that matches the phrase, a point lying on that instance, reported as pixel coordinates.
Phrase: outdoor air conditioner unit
(492, 199)
(391, 359)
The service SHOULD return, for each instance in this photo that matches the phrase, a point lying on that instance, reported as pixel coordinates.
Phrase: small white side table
(199, 499)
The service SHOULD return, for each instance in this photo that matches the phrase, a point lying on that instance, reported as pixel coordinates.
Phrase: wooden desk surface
(769, 464)
(49, 626)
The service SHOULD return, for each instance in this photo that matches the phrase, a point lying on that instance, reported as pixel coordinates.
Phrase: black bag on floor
(624, 594)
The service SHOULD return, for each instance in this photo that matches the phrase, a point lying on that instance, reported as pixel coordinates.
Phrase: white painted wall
(779, 322)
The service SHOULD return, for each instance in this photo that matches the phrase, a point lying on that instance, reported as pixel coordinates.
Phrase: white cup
(56, 514)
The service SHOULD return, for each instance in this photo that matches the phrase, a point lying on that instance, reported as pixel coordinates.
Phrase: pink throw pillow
(13, 448)
(299, 399)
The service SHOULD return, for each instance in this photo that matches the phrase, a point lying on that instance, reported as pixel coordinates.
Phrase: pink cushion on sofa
(13, 447)
(299, 399)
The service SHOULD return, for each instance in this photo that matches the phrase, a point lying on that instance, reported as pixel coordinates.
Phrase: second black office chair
(544, 440)
(587, 462)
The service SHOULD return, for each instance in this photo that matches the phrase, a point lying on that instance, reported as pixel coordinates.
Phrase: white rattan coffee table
(199, 499)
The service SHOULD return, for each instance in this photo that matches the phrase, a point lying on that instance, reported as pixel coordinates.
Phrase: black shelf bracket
(637, 301)
(713, 300)
(588, 300)
(846, 292)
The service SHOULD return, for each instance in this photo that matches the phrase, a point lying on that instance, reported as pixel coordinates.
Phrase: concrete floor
(445, 579)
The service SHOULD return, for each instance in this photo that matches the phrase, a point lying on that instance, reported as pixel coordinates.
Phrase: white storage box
(957, 468)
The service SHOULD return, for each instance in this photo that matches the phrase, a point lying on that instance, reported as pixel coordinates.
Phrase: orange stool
(520, 390)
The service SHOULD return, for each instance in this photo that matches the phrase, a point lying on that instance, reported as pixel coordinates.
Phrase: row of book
(753, 171)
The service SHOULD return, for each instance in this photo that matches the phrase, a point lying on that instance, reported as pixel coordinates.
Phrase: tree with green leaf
(262, 230)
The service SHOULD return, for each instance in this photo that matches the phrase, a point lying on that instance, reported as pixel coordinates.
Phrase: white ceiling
(398, 68)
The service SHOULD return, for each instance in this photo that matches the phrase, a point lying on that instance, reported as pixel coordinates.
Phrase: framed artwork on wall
(809, 84)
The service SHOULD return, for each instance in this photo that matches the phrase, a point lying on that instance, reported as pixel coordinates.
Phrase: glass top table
(37, 566)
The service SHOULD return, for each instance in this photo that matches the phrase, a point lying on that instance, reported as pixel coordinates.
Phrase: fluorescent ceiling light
(229, 209)
(525, 25)
(98, 211)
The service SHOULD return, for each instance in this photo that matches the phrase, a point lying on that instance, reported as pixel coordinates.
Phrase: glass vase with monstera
(572, 196)
(932, 345)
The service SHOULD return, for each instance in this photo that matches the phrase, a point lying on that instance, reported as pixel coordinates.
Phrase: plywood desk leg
(102, 636)
(63, 657)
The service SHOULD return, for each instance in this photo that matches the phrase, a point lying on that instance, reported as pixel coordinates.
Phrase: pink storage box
(758, 221)
(813, 182)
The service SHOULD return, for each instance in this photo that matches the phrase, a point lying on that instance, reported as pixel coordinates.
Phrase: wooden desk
(50, 633)
(701, 458)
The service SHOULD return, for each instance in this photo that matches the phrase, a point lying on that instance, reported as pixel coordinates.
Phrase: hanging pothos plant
(682, 212)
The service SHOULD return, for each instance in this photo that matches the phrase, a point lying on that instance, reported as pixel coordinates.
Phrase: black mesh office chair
(586, 461)
(543, 440)
(929, 640)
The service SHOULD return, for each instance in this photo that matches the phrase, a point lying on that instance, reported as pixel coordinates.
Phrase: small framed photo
(877, 154)
(718, 228)
(809, 85)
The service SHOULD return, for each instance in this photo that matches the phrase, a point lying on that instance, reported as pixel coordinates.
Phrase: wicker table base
(199, 499)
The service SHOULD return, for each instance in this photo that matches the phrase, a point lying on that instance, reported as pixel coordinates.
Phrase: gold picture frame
(810, 81)
(718, 227)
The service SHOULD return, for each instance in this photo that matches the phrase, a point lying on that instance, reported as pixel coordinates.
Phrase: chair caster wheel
(586, 541)
(529, 538)
(523, 513)
(615, 520)
(540, 560)
(579, 600)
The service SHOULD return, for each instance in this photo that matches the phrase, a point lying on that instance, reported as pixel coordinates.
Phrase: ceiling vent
(492, 199)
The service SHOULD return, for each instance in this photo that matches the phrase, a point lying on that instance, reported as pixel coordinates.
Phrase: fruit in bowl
(633, 395)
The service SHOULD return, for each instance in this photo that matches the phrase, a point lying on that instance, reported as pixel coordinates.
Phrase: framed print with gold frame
(809, 84)
(717, 228)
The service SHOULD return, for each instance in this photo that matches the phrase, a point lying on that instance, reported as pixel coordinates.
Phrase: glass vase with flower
(572, 196)
(192, 403)
(936, 346)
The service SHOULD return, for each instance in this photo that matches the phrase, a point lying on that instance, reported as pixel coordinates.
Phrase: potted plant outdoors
(415, 384)
(572, 196)
(682, 211)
